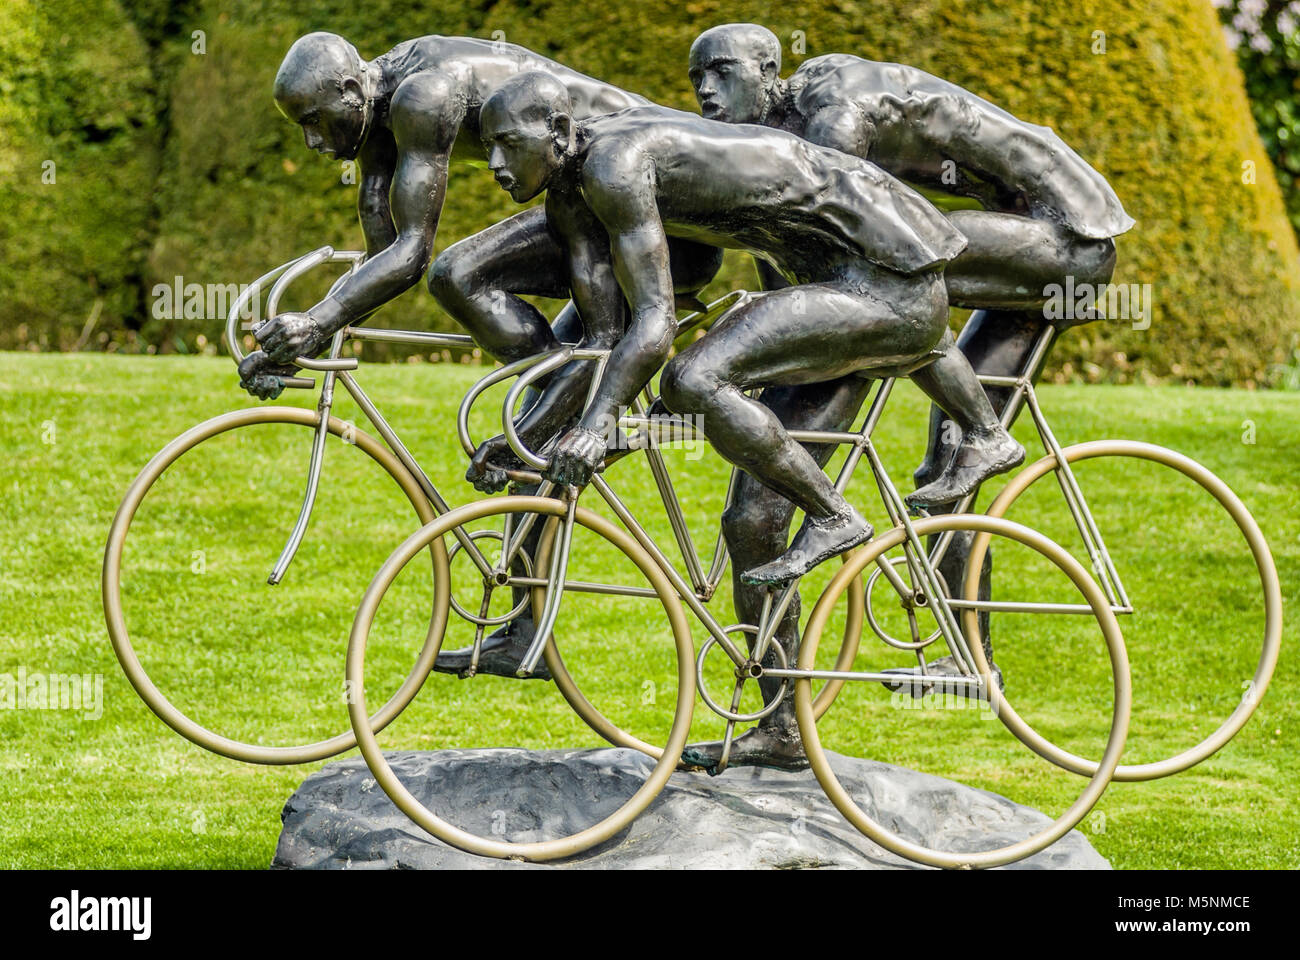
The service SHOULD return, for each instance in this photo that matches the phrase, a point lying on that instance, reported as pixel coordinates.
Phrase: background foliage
(175, 163)
(1266, 36)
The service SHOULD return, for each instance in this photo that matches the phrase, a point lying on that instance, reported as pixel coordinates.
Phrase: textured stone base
(747, 818)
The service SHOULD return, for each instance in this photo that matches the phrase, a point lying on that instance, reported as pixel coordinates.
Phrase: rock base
(748, 818)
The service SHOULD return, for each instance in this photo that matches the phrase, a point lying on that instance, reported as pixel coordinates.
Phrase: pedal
(970, 688)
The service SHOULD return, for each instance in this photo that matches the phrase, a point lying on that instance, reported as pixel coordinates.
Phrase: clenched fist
(260, 376)
(488, 466)
(576, 457)
(289, 336)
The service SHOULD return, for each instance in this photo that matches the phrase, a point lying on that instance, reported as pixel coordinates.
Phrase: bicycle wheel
(597, 719)
(611, 549)
(240, 457)
(1048, 599)
(1207, 580)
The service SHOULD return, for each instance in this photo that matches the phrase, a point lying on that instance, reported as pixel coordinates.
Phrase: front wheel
(597, 545)
(1048, 585)
(194, 538)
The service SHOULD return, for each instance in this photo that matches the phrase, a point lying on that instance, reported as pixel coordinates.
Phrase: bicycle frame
(697, 587)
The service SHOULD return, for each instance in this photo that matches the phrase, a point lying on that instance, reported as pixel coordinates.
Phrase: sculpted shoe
(820, 538)
(977, 459)
(500, 656)
(933, 681)
(774, 747)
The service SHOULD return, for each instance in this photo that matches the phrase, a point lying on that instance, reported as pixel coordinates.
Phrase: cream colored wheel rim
(1119, 720)
(1272, 591)
(383, 773)
(112, 590)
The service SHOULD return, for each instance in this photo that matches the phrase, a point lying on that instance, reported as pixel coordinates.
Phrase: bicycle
(918, 586)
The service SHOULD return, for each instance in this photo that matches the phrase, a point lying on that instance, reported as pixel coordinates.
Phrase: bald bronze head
(735, 69)
(526, 125)
(322, 86)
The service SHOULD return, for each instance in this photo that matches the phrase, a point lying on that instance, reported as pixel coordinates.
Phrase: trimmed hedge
(79, 156)
(1162, 113)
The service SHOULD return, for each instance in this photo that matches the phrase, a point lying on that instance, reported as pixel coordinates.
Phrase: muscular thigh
(519, 255)
(1009, 260)
(830, 406)
(822, 331)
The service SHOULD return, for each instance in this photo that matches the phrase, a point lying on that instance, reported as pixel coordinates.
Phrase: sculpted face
(332, 121)
(732, 82)
(319, 88)
(522, 148)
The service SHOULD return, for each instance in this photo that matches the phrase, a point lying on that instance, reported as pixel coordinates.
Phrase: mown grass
(261, 663)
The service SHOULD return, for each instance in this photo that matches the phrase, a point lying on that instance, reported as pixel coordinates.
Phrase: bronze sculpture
(1047, 214)
(404, 117)
(863, 252)
(849, 241)
(915, 125)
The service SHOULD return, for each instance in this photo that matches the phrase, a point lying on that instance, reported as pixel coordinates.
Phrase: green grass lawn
(265, 664)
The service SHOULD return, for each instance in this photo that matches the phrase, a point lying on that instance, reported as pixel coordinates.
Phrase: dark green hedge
(78, 105)
(203, 179)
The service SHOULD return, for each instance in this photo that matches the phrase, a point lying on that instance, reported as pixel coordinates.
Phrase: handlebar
(531, 369)
(285, 274)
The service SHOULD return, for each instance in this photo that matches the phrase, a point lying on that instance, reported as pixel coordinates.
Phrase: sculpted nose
(496, 159)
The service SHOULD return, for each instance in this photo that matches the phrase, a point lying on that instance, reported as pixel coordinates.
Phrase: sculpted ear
(770, 70)
(350, 90)
(561, 130)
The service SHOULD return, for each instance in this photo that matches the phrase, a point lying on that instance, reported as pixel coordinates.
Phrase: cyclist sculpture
(1047, 215)
(404, 116)
(865, 254)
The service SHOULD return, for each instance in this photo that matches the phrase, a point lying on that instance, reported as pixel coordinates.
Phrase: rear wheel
(1223, 569)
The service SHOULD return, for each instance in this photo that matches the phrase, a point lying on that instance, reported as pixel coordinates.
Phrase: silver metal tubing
(555, 578)
(1010, 606)
(650, 430)
(772, 614)
(440, 506)
(679, 584)
(824, 436)
(793, 673)
(538, 370)
(1102, 565)
(586, 586)
(422, 337)
(676, 520)
(339, 363)
(877, 406)
(1015, 403)
(232, 318)
(953, 636)
(990, 380)
(297, 269)
(482, 385)
(323, 406)
(720, 552)
(850, 464)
